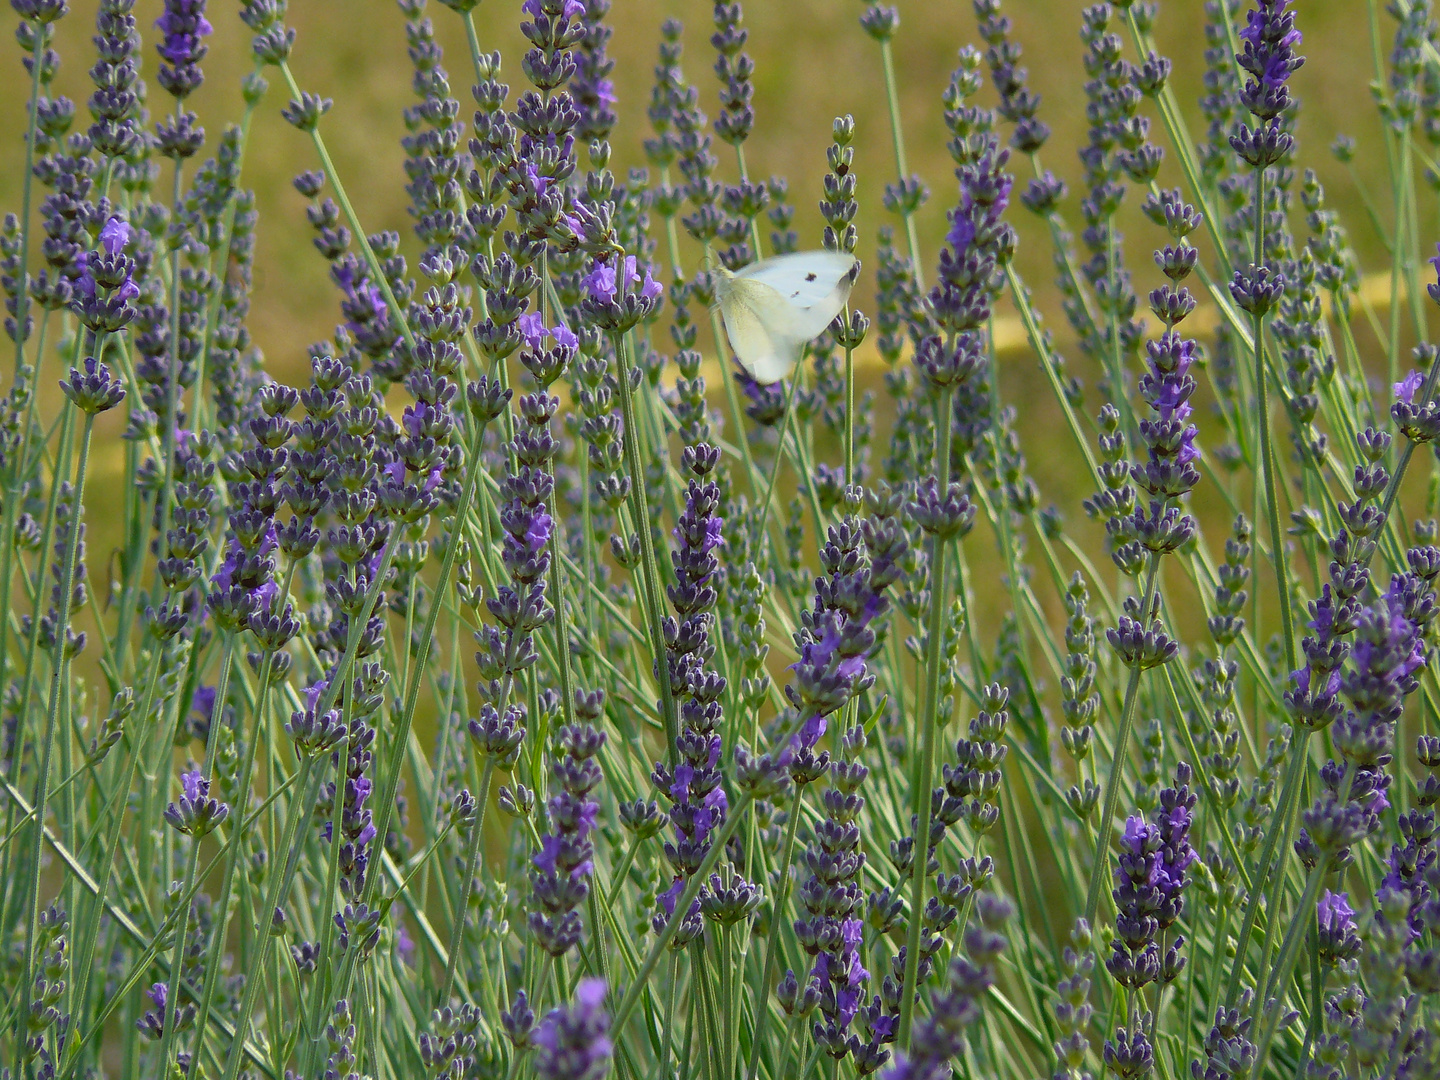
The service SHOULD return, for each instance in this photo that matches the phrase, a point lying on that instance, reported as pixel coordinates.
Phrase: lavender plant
(534, 693)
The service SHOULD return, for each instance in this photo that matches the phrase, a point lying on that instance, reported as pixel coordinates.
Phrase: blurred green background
(813, 62)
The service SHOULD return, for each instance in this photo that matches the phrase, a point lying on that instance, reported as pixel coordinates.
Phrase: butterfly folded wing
(813, 284)
(761, 328)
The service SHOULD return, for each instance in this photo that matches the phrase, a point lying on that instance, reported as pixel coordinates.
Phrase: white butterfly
(772, 308)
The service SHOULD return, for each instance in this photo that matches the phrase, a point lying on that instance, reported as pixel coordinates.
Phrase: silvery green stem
(58, 666)
(1267, 853)
(88, 940)
(371, 262)
(7, 538)
(401, 736)
(236, 847)
(782, 896)
(1272, 503)
(763, 508)
(557, 587)
(682, 907)
(1289, 950)
(650, 576)
(1299, 741)
(472, 867)
(897, 135)
(1117, 759)
(170, 435)
(849, 406)
(171, 1012)
(929, 723)
(212, 309)
(300, 808)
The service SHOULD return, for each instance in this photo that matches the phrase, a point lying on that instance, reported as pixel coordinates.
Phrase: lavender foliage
(529, 691)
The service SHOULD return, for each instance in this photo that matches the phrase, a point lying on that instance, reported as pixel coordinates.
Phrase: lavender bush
(532, 693)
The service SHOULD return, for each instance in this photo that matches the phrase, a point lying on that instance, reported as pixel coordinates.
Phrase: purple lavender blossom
(184, 27)
(196, 813)
(114, 235)
(1406, 389)
(1335, 920)
(969, 278)
(152, 1022)
(569, 9)
(538, 184)
(1270, 38)
(835, 638)
(1388, 652)
(357, 827)
(105, 283)
(561, 870)
(699, 803)
(1135, 957)
(404, 945)
(532, 328)
(202, 702)
(939, 1038)
(833, 899)
(573, 1043)
(591, 88)
(195, 785)
(610, 292)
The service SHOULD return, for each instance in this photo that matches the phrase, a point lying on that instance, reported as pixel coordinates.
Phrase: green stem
(22, 313)
(236, 847)
(640, 510)
(472, 867)
(702, 874)
(172, 376)
(762, 997)
(1272, 502)
(897, 136)
(88, 940)
(172, 997)
(762, 510)
(59, 664)
(274, 897)
(1285, 962)
(1267, 854)
(849, 406)
(373, 263)
(1117, 759)
(401, 737)
(929, 726)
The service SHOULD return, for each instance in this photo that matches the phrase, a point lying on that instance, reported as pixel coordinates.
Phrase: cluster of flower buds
(561, 871)
(197, 813)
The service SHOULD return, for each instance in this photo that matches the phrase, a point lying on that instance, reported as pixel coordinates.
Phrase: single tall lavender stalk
(961, 303)
(1269, 59)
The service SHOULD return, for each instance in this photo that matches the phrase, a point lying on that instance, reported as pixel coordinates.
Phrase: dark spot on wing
(810, 277)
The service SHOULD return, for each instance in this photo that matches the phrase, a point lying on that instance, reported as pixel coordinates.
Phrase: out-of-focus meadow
(813, 63)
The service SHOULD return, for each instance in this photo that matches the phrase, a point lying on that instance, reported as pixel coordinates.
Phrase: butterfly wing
(759, 322)
(813, 284)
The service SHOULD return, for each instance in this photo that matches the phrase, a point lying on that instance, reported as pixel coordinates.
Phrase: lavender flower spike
(573, 1043)
(184, 26)
(196, 813)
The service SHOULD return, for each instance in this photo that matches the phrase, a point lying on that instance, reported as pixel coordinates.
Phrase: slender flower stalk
(961, 304)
